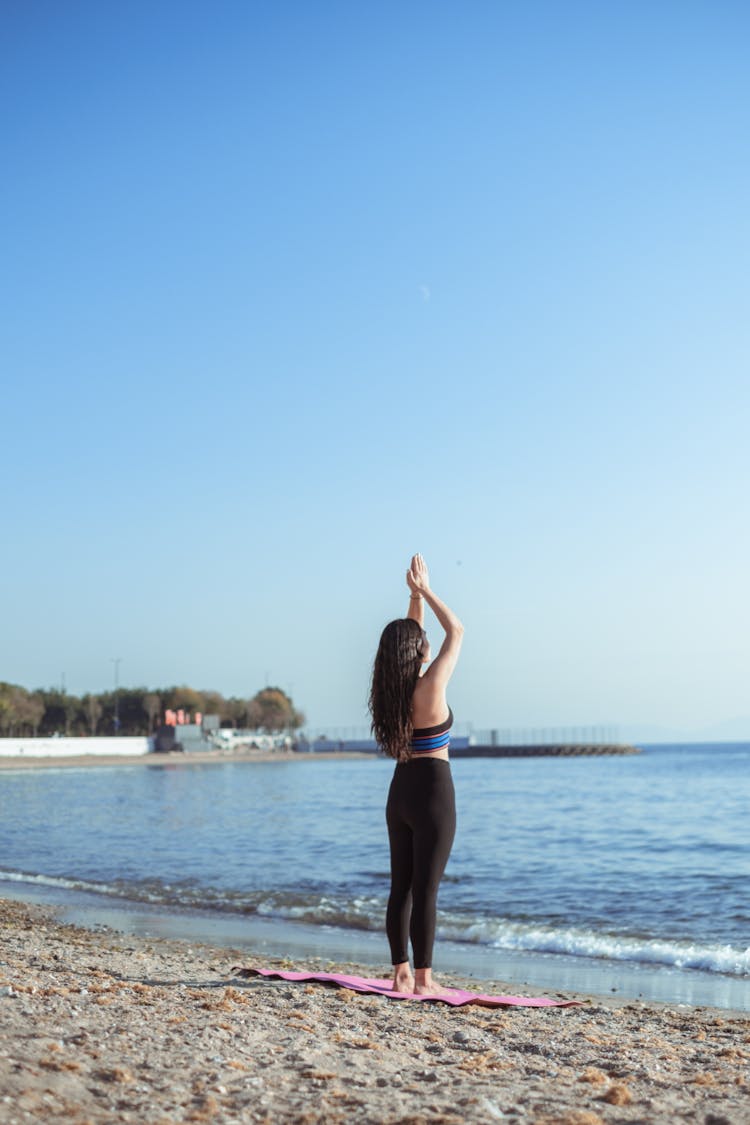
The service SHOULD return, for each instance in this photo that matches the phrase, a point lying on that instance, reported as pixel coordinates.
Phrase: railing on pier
(467, 741)
(598, 734)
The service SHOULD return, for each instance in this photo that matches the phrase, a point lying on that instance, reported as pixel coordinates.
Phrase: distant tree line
(49, 711)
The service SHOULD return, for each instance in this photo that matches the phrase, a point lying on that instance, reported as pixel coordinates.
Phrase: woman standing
(411, 720)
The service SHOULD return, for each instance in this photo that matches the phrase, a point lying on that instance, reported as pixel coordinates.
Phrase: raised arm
(442, 666)
(416, 601)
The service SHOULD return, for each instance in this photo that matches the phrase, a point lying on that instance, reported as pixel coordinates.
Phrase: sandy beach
(99, 1026)
(194, 758)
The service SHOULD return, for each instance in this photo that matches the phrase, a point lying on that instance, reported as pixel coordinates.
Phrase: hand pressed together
(417, 576)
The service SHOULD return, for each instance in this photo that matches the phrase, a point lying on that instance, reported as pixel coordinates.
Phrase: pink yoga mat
(454, 996)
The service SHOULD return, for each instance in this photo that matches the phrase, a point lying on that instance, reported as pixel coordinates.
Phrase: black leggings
(421, 818)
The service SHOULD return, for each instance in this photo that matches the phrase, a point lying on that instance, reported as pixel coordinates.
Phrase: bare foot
(431, 989)
(403, 980)
(425, 985)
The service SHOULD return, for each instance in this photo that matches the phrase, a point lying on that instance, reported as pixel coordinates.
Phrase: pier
(499, 742)
(463, 746)
(543, 750)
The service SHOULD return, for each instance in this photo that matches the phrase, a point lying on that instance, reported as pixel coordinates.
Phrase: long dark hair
(394, 677)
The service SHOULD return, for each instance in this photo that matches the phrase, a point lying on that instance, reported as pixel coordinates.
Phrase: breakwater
(465, 748)
(544, 750)
(123, 747)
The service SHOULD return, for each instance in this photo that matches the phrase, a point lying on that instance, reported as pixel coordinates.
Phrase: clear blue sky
(290, 291)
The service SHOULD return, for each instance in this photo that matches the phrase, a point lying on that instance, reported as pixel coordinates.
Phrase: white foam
(136, 894)
(522, 937)
(503, 934)
(55, 881)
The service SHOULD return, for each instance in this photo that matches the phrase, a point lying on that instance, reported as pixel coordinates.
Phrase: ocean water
(626, 874)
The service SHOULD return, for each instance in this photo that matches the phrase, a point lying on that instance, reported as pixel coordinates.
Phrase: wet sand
(100, 1026)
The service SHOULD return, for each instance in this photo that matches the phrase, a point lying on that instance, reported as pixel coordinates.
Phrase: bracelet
(415, 597)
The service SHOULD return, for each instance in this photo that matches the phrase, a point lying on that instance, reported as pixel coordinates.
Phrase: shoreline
(102, 1026)
(213, 757)
(187, 758)
(280, 937)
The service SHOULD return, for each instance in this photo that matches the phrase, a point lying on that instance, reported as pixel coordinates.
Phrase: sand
(99, 1026)
(192, 758)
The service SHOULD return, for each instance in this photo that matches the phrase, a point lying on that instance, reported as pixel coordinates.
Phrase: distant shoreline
(207, 757)
(197, 758)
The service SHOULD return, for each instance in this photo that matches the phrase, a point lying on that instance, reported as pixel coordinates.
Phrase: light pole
(116, 660)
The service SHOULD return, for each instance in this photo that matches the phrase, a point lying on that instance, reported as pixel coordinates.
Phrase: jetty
(463, 747)
(544, 750)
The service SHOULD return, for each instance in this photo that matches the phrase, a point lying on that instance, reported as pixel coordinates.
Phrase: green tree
(131, 711)
(235, 712)
(6, 707)
(20, 710)
(60, 711)
(49, 711)
(272, 710)
(214, 703)
(31, 710)
(152, 707)
(92, 709)
(183, 699)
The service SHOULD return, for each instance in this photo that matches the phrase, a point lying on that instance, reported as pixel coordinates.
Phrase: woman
(411, 720)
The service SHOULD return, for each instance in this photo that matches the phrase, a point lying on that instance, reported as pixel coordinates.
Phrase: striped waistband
(426, 740)
(425, 745)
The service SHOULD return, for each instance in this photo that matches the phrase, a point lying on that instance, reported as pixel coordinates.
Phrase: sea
(624, 875)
